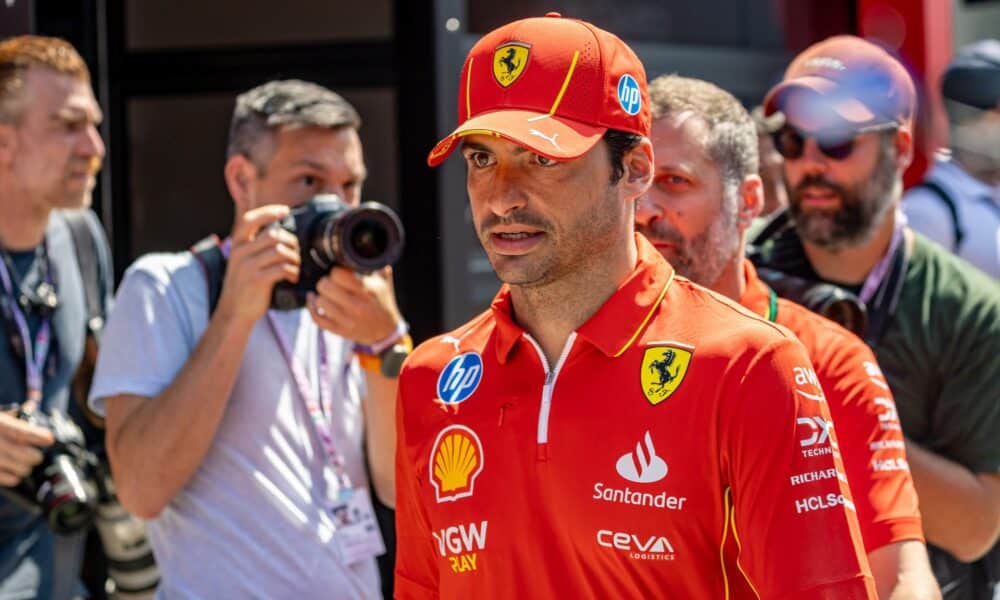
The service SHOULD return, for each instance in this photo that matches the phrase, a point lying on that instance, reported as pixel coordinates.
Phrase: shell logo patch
(456, 461)
(663, 369)
(509, 61)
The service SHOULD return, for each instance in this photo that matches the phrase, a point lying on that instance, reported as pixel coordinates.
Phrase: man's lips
(815, 197)
(514, 241)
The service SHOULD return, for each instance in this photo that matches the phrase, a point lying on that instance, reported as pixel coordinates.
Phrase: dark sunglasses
(838, 145)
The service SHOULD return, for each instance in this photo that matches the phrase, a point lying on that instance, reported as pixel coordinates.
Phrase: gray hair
(284, 104)
(732, 136)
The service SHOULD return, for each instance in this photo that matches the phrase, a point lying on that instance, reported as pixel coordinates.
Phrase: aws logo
(456, 461)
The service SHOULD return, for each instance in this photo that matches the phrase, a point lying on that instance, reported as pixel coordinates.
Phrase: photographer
(238, 431)
(50, 152)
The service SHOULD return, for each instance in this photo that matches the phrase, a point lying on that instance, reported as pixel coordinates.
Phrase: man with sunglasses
(933, 321)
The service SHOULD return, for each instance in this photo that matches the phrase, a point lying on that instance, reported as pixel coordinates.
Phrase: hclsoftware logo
(643, 465)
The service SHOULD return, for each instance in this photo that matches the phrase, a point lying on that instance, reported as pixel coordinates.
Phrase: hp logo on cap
(460, 378)
(629, 95)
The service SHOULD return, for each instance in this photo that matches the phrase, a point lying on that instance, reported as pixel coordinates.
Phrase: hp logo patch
(629, 95)
(460, 378)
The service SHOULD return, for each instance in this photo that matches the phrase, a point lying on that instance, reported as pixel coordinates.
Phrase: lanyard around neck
(35, 351)
(874, 279)
(319, 409)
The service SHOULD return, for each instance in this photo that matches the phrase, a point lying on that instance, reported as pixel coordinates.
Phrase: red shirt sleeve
(871, 441)
(416, 573)
(791, 510)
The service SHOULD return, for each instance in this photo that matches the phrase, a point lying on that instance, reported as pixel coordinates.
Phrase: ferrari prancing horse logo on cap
(509, 61)
(663, 369)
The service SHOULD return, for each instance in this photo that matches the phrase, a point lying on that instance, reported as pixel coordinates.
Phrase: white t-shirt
(251, 522)
(977, 206)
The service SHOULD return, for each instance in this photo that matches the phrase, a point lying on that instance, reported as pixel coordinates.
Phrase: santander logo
(643, 465)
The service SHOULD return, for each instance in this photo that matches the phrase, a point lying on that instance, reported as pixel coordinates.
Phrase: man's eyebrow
(471, 145)
(308, 162)
(466, 144)
(78, 114)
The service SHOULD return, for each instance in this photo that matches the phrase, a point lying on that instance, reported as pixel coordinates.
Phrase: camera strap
(34, 352)
(320, 409)
(211, 254)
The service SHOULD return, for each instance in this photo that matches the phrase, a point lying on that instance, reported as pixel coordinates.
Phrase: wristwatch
(390, 361)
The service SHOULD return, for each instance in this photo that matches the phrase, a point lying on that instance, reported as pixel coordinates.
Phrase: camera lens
(369, 239)
(65, 498)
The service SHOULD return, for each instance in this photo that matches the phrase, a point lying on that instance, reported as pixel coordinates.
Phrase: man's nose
(506, 192)
(91, 144)
(812, 161)
(343, 192)
(647, 210)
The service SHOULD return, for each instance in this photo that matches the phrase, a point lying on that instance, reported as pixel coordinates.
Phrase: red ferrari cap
(858, 81)
(551, 85)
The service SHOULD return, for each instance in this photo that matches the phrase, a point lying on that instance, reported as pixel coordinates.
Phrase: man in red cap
(607, 429)
(933, 321)
(705, 193)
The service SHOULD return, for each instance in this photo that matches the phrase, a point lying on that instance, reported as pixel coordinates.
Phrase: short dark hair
(619, 142)
(284, 104)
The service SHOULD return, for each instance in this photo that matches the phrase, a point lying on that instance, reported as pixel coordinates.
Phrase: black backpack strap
(949, 203)
(213, 264)
(87, 257)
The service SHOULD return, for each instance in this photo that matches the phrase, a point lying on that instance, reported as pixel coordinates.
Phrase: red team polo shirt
(868, 429)
(679, 448)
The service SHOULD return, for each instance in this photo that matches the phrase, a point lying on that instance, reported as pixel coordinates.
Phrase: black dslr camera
(363, 238)
(60, 486)
(72, 488)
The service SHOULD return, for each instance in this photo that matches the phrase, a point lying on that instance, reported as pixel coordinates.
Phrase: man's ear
(638, 163)
(751, 200)
(241, 177)
(8, 144)
(903, 142)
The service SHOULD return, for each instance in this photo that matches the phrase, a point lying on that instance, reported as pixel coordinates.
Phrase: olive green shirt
(941, 356)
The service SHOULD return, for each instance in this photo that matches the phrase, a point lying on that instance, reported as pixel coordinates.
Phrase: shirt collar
(617, 324)
(756, 295)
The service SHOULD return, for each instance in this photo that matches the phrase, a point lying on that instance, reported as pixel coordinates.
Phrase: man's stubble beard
(578, 246)
(863, 206)
(705, 256)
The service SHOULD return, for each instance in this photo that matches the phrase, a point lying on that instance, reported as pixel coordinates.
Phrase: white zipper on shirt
(550, 382)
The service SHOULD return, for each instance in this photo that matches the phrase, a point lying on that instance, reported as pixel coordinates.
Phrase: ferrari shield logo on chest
(663, 369)
(509, 61)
